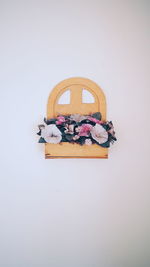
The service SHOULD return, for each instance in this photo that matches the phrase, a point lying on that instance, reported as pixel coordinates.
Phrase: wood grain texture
(74, 150)
(76, 86)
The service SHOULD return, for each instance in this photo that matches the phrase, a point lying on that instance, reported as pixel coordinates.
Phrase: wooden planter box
(76, 86)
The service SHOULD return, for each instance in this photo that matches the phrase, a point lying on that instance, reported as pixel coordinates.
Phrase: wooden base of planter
(68, 150)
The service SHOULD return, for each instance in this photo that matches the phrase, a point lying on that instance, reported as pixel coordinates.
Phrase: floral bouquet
(80, 129)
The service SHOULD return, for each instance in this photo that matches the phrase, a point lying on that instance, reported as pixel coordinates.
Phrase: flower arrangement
(76, 128)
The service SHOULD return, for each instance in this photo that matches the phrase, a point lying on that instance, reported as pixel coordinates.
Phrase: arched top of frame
(76, 86)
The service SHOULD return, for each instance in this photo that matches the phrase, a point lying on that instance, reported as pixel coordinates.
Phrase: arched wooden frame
(76, 86)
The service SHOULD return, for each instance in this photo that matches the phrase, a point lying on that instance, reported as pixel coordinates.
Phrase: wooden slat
(68, 150)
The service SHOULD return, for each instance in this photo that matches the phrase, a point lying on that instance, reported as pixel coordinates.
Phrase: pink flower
(84, 129)
(60, 120)
(94, 120)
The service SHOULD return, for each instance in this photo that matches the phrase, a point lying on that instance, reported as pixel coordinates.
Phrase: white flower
(88, 142)
(69, 129)
(78, 117)
(99, 134)
(51, 134)
(76, 137)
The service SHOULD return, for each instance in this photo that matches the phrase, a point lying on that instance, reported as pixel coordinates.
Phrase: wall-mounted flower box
(76, 129)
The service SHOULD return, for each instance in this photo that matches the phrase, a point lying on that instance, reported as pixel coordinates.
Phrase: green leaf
(81, 140)
(42, 140)
(64, 139)
(106, 144)
(69, 137)
(50, 121)
(39, 133)
(97, 115)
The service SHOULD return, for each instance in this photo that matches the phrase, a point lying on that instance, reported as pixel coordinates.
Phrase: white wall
(74, 213)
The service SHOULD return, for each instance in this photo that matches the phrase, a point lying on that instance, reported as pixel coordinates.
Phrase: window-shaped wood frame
(76, 106)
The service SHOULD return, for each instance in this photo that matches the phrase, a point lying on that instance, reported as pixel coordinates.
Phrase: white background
(74, 212)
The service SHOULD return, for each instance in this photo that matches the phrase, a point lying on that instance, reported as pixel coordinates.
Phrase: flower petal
(99, 134)
(51, 134)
